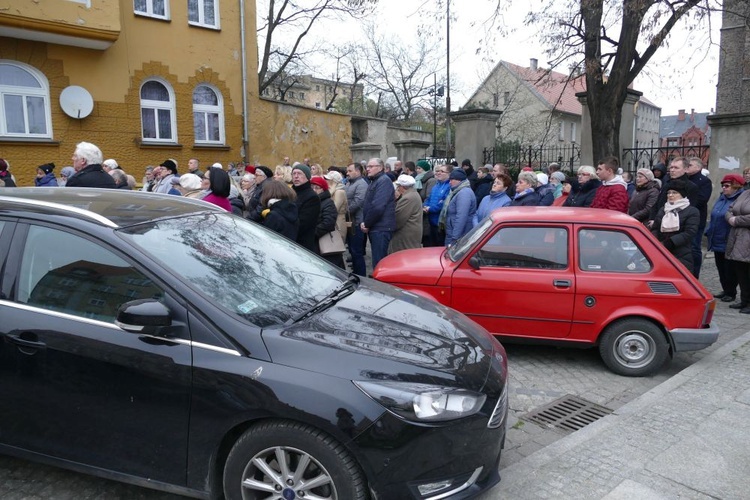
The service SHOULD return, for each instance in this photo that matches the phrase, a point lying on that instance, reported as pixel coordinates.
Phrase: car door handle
(562, 283)
(33, 344)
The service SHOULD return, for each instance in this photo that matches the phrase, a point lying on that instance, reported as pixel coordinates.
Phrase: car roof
(573, 215)
(109, 207)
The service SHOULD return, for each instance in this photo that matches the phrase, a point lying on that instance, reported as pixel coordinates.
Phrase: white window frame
(159, 105)
(149, 12)
(201, 21)
(24, 93)
(206, 109)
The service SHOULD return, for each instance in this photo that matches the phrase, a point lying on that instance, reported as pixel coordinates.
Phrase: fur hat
(678, 185)
(265, 170)
(304, 169)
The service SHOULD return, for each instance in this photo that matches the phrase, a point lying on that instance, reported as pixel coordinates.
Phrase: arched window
(24, 102)
(208, 115)
(158, 120)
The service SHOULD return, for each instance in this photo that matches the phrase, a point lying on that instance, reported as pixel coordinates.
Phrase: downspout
(245, 142)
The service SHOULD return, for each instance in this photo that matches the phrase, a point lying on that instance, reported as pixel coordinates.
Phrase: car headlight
(423, 402)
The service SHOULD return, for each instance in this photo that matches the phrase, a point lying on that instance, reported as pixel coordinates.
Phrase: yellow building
(146, 80)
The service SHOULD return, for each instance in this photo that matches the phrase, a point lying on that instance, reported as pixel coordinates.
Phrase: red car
(575, 276)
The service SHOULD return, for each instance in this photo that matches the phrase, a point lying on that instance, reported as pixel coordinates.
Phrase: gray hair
(89, 152)
(379, 161)
(530, 178)
(588, 169)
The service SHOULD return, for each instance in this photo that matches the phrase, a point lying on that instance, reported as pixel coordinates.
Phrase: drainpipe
(245, 142)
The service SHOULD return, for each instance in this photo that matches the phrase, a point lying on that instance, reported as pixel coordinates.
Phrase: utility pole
(448, 80)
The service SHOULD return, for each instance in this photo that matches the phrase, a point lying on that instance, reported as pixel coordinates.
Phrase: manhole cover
(568, 414)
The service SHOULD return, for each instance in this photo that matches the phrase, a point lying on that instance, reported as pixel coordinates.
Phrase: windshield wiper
(341, 291)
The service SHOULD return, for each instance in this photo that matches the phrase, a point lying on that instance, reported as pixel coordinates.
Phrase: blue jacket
(435, 202)
(546, 194)
(718, 228)
(49, 180)
(379, 207)
(461, 212)
(490, 204)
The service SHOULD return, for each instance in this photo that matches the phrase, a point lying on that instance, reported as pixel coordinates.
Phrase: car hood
(419, 266)
(384, 333)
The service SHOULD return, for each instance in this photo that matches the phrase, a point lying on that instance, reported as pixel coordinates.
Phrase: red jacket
(612, 196)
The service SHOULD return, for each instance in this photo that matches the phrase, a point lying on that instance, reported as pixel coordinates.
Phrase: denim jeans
(356, 244)
(379, 242)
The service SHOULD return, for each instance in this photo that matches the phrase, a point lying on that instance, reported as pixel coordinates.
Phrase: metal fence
(516, 157)
(638, 157)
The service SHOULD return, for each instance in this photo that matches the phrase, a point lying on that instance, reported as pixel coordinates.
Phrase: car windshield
(458, 250)
(252, 272)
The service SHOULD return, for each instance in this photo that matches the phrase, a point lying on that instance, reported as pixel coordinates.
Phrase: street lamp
(436, 92)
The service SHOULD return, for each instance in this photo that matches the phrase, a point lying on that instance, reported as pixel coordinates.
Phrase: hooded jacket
(282, 218)
(612, 195)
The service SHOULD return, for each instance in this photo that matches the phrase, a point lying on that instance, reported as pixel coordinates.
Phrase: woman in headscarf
(676, 223)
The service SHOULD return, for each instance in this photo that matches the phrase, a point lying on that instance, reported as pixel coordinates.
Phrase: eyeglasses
(372, 166)
(726, 185)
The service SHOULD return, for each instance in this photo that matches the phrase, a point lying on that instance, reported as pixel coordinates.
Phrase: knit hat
(47, 167)
(648, 174)
(190, 181)
(424, 165)
(305, 170)
(68, 172)
(169, 164)
(320, 182)
(111, 163)
(4, 165)
(542, 178)
(406, 180)
(250, 169)
(558, 176)
(458, 174)
(265, 170)
(678, 185)
(734, 179)
(466, 163)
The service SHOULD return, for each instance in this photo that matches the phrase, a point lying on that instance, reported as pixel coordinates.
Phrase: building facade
(162, 78)
(318, 93)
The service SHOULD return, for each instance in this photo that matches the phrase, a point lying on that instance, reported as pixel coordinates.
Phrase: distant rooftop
(676, 125)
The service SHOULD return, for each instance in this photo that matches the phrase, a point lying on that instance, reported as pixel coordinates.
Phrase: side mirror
(474, 261)
(145, 316)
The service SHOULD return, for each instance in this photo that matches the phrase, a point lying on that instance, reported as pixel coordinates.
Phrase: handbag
(348, 223)
(331, 243)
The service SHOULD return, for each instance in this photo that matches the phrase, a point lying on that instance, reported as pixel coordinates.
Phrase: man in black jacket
(703, 183)
(87, 162)
(308, 207)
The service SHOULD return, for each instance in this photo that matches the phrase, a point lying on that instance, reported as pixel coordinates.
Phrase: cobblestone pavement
(539, 375)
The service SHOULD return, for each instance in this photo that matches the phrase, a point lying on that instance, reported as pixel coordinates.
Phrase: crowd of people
(410, 205)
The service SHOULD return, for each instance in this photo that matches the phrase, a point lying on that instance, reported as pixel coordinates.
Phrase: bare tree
(402, 74)
(285, 26)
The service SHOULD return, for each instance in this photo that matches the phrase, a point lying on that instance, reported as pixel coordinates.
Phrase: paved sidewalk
(689, 437)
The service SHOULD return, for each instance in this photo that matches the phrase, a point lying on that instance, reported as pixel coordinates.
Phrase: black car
(164, 342)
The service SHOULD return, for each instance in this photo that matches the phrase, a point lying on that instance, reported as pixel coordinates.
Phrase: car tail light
(708, 313)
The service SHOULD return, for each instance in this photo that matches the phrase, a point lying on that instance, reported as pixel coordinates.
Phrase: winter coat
(546, 194)
(379, 209)
(355, 197)
(612, 195)
(435, 201)
(461, 210)
(328, 214)
(680, 242)
(428, 182)
(643, 201)
(692, 195)
(7, 178)
(584, 195)
(92, 176)
(49, 180)
(282, 218)
(342, 208)
(408, 233)
(705, 187)
(308, 211)
(219, 201)
(253, 207)
(238, 205)
(163, 185)
(738, 242)
(527, 200)
(490, 204)
(718, 228)
(484, 187)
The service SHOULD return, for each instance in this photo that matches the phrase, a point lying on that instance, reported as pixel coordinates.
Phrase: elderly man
(459, 209)
(613, 193)
(408, 233)
(378, 210)
(87, 162)
(355, 196)
(308, 206)
(166, 173)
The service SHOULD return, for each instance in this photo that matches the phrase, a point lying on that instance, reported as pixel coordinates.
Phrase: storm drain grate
(568, 414)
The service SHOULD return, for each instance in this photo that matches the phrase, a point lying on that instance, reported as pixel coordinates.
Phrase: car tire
(254, 470)
(633, 347)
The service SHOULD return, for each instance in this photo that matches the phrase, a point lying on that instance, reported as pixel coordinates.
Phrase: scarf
(418, 181)
(523, 193)
(671, 221)
(444, 210)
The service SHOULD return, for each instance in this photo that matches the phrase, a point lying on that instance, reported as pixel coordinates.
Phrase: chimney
(692, 115)
(533, 63)
(681, 115)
